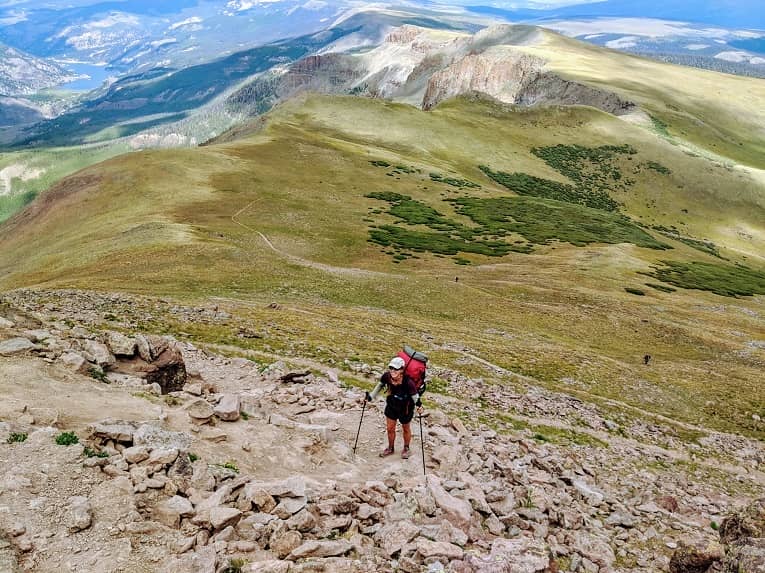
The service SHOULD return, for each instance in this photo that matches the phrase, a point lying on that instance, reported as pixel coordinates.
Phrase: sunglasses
(394, 369)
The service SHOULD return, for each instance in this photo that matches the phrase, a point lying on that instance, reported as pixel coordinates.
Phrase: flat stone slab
(15, 346)
(321, 549)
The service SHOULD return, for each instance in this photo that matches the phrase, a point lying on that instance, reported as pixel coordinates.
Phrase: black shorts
(399, 409)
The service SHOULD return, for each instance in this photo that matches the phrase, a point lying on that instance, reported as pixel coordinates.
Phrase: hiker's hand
(420, 410)
(367, 397)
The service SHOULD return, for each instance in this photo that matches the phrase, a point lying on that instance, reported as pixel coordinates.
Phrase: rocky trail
(189, 461)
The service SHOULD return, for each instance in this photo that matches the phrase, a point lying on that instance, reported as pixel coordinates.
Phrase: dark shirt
(407, 388)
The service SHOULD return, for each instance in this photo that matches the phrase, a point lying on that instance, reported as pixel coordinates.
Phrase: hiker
(646, 359)
(400, 405)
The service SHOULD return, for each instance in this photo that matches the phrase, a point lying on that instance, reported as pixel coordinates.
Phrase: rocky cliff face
(424, 67)
(502, 74)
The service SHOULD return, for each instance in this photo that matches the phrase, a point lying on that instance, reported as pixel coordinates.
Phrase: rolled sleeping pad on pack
(411, 352)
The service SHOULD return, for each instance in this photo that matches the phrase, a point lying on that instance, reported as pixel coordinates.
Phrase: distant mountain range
(105, 40)
(24, 74)
(747, 14)
(168, 62)
(132, 35)
(141, 65)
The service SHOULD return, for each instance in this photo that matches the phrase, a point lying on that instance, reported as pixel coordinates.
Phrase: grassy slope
(720, 113)
(54, 164)
(185, 222)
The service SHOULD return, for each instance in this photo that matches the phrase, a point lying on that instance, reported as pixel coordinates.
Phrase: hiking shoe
(406, 452)
(386, 452)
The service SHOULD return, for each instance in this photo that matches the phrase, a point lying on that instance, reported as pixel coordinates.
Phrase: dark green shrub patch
(435, 242)
(702, 245)
(453, 181)
(67, 439)
(590, 168)
(541, 221)
(662, 288)
(660, 126)
(17, 437)
(498, 223)
(91, 453)
(658, 167)
(529, 185)
(725, 280)
(415, 212)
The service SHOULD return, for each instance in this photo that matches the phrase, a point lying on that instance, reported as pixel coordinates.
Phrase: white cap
(397, 363)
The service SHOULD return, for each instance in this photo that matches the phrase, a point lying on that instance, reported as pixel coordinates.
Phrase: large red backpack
(416, 365)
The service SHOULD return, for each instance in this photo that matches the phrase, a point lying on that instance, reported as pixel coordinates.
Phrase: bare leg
(407, 434)
(390, 427)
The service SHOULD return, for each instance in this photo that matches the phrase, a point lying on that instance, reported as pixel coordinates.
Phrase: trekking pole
(363, 407)
(422, 446)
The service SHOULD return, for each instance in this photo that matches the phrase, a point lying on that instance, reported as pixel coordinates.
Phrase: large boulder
(285, 543)
(746, 557)
(117, 430)
(291, 487)
(743, 532)
(748, 522)
(594, 548)
(155, 437)
(74, 361)
(199, 410)
(321, 549)
(169, 511)
(168, 368)
(228, 408)
(79, 514)
(38, 335)
(289, 506)
(458, 511)
(427, 549)
(159, 361)
(15, 346)
(135, 454)
(99, 352)
(695, 558)
(120, 344)
(162, 456)
(222, 516)
(394, 536)
(520, 555)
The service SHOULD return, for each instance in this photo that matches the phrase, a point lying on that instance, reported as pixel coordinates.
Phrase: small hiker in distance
(404, 395)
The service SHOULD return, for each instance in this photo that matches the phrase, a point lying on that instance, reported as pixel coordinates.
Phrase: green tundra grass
(289, 215)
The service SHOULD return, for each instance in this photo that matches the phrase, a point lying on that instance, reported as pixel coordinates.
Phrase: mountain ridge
(322, 185)
(575, 237)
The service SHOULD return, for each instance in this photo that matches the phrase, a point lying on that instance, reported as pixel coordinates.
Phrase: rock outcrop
(419, 66)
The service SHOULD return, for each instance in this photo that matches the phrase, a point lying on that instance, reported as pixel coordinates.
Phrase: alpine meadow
(205, 266)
